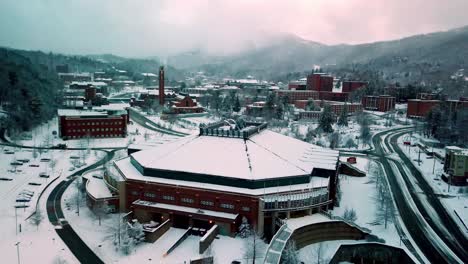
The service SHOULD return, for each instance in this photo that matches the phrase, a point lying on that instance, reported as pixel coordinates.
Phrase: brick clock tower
(161, 85)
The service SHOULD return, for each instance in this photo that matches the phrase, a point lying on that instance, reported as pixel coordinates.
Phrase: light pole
(16, 220)
(17, 251)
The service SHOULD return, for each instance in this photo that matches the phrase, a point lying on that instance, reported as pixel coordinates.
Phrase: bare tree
(101, 209)
(252, 249)
(290, 253)
(76, 198)
(385, 210)
(350, 215)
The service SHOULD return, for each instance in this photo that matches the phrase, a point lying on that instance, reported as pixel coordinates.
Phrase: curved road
(54, 212)
(434, 251)
(437, 216)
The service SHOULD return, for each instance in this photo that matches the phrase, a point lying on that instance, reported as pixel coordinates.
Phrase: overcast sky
(152, 27)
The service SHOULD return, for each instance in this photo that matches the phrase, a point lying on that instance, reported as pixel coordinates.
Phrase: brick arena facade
(198, 193)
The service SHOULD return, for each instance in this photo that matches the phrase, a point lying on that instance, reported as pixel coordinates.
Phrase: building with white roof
(225, 173)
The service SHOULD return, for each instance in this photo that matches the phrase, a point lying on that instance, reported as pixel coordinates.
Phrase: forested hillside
(29, 92)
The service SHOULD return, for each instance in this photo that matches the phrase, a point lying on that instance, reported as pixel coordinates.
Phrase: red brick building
(294, 95)
(226, 173)
(184, 104)
(320, 82)
(334, 96)
(351, 86)
(309, 115)
(297, 85)
(337, 107)
(418, 108)
(74, 124)
(381, 103)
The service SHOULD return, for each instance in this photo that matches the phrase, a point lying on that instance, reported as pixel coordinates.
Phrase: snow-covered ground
(100, 239)
(43, 136)
(358, 193)
(454, 198)
(177, 125)
(33, 239)
(348, 134)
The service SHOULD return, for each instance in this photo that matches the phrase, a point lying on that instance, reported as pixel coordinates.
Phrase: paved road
(437, 216)
(434, 251)
(144, 121)
(54, 212)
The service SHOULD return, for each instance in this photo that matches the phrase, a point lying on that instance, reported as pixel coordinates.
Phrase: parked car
(44, 175)
(16, 163)
(23, 199)
(45, 160)
(23, 160)
(35, 183)
(60, 146)
(34, 165)
(5, 179)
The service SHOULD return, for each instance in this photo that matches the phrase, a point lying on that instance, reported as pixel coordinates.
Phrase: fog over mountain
(145, 28)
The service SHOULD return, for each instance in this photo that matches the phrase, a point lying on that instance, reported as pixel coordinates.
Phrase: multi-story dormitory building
(93, 123)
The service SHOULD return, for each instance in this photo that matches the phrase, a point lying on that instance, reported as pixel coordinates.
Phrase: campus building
(418, 108)
(94, 123)
(381, 103)
(295, 95)
(456, 166)
(225, 173)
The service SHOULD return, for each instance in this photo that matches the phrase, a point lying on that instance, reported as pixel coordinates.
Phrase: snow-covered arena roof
(265, 156)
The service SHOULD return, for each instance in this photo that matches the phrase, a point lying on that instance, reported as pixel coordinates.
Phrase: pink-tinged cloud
(149, 27)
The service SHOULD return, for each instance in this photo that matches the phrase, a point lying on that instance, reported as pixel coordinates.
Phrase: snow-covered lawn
(100, 239)
(34, 240)
(454, 198)
(358, 193)
(177, 125)
(42, 136)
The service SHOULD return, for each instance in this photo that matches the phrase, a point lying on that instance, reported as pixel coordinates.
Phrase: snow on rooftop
(97, 84)
(98, 188)
(186, 209)
(76, 112)
(295, 223)
(129, 171)
(265, 155)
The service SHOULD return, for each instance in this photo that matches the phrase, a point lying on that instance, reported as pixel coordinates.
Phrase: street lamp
(17, 250)
(16, 220)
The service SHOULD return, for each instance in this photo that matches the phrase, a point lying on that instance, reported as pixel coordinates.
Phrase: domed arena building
(225, 173)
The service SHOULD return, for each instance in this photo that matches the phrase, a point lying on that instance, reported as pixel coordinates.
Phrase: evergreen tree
(290, 254)
(310, 106)
(279, 111)
(310, 134)
(365, 132)
(215, 102)
(237, 106)
(269, 106)
(343, 118)
(326, 120)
